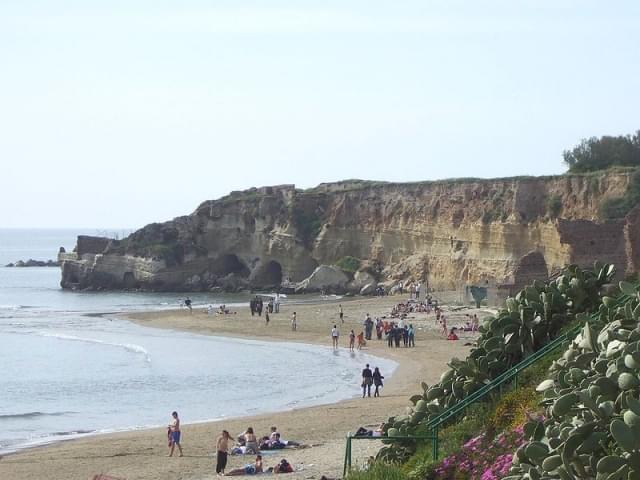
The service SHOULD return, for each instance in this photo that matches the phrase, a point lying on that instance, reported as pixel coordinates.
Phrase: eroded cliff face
(455, 233)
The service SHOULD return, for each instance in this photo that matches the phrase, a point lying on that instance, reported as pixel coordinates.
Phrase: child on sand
(352, 340)
(361, 341)
(294, 322)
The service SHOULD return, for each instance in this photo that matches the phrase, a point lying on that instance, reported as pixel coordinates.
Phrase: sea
(70, 367)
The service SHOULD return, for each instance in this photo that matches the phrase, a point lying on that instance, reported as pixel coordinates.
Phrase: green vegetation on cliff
(600, 153)
(618, 207)
(348, 264)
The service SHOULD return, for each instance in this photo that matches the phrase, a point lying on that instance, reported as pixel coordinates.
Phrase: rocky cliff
(500, 233)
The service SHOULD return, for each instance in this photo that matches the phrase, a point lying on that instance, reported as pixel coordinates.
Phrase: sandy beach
(143, 454)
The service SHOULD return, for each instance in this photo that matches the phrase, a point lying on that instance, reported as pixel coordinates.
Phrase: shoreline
(322, 426)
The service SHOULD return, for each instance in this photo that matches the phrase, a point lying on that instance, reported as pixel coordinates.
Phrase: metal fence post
(435, 443)
(347, 455)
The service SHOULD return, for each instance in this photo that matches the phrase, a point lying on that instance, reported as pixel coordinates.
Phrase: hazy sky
(121, 113)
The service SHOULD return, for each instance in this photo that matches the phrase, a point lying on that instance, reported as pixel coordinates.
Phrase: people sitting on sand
(275, 435)
(272, 444)
(210, 310)
(365, 432)
(250, 442)
(250, 469)
(223, 310)
(452, 334)
(283, 467)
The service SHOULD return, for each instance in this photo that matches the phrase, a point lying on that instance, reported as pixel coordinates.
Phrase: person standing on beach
(294, 322)
(377, 381)
(367, 380)
(352, 340)
(187, 303)
(222, 449)
(335, 334)
(341, 313)
(174, 427)
(412, 336)
(368, 326)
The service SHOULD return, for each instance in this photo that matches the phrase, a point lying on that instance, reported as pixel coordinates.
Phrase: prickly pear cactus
(592, 398)
(529, 321)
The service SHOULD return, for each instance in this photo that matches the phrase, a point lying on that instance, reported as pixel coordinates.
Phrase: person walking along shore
(377, 381)
(174, 431)
(367, 380)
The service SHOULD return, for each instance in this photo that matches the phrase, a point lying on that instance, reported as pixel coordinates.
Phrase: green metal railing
(510, 375)
(350, 438)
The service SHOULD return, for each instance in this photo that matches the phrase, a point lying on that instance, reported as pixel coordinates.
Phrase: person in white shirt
(335, 334)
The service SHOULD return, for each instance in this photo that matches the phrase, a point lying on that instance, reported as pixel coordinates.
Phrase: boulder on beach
(360, 279)
(368, 289)
(325, 277)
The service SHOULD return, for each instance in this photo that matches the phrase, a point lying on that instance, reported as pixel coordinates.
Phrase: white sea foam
(130, 347)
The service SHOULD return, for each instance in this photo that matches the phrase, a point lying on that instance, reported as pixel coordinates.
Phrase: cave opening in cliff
(272, 273)
(129, 280)
(226, 264)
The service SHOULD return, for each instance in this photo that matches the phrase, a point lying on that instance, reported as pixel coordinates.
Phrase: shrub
(613, 207)
(618, 207)
(348, 264)
(377, 471)
(554, 206)
(308, 224)
(600, 153)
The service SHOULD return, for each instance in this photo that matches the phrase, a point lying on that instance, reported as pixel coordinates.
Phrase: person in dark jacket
(377, 381)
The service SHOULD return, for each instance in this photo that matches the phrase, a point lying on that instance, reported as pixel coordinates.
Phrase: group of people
(221, 310)
(472, 325)
(256, 306)
(400, 332)
(413, 288)
(335, 337)
(395, 333)
(249, 444)
(401, 310)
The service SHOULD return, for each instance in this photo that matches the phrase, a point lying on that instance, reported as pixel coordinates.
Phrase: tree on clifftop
(600, 153)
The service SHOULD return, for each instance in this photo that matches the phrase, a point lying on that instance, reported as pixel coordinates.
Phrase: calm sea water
(67, 371)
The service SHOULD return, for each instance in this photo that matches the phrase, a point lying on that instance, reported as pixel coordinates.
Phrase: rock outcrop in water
(496, 233)
(33, 263)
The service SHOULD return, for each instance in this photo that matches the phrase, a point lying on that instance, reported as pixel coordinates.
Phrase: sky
(122, 113)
